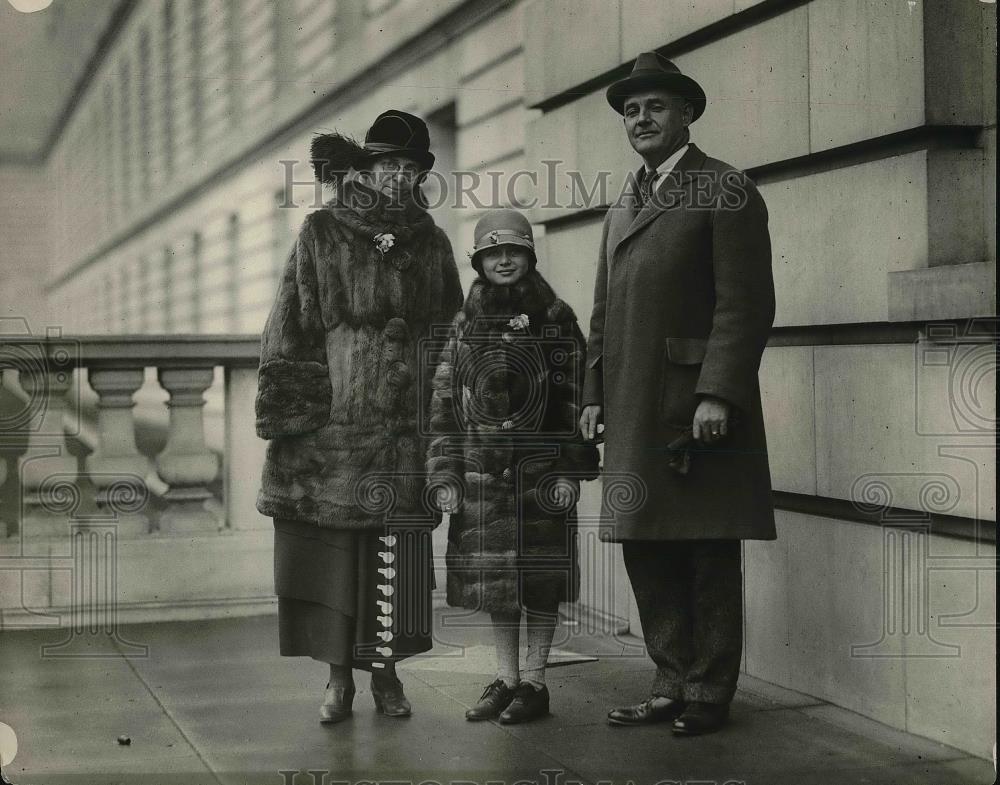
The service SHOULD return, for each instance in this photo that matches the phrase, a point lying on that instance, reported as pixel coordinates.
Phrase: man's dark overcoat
(683, 304)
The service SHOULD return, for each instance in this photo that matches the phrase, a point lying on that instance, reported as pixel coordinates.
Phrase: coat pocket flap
(593, 361)
(686, 351)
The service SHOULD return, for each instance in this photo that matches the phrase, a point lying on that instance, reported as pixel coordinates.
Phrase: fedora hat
(653, 70)
(393, 132)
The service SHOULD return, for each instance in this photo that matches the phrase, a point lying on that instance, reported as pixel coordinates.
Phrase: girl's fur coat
(343, 369)
(504, 426)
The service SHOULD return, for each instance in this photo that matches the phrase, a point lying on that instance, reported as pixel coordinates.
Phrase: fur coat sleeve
(445, 462)
(294, 392)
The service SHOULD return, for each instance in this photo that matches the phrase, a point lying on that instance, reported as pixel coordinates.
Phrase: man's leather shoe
(699, 718)
(494, 700)
(655, 709)
(528, 704)
(389, 698)
(336, 704)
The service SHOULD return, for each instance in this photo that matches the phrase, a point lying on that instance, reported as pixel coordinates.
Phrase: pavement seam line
(169, 716)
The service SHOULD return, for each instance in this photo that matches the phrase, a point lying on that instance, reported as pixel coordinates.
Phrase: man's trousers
(690, 598)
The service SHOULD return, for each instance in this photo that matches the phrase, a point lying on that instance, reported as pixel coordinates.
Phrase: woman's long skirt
(355, 598)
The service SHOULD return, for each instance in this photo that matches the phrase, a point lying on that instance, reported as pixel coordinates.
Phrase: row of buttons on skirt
(384, 605)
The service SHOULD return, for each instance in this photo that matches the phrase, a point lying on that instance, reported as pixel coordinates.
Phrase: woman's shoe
(494, 700)
(528, 704)
(389, 698)
(336, 704)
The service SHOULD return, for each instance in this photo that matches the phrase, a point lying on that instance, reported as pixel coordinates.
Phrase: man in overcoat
(683, 304)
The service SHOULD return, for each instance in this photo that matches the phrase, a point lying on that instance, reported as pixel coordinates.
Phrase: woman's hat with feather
(393, 133)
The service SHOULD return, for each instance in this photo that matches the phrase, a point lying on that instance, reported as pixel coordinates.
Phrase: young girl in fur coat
(506, 458)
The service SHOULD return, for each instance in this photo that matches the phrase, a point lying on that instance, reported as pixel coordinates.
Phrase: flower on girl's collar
(520, 322)
(384, 242)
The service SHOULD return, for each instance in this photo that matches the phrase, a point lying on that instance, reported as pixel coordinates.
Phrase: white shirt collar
(667, 166)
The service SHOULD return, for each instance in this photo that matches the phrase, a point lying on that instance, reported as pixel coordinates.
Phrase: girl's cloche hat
(501, 226)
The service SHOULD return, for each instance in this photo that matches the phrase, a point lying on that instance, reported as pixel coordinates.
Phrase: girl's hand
(590, 418)
(565, 492)
(446, 499)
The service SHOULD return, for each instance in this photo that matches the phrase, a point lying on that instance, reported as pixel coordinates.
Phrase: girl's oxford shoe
(494, 700)
(528, 704)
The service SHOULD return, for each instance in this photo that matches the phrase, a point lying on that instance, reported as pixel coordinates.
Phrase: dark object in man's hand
(679, 458)
(680, 449)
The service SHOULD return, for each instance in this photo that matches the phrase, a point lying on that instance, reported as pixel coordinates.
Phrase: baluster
(117, 468)
(186, 464)
(47, 468)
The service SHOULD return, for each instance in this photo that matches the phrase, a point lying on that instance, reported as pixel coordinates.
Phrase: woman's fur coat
(344, 370)
(504, 427)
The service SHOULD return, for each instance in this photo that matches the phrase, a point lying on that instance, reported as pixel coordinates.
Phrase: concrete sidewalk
(211, 702)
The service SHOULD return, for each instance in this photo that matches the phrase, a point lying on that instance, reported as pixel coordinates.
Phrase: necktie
(646, 188)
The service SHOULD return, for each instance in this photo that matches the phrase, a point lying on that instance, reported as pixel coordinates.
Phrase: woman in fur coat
(506, 458)
(339, 396)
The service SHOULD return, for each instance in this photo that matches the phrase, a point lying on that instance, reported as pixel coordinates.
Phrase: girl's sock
(541, 629)
(506, 629)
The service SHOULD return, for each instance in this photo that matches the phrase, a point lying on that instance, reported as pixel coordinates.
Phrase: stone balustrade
(129, 470)
(163, 494)
(135, 468)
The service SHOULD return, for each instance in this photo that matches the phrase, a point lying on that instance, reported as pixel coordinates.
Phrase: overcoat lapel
(667, 194)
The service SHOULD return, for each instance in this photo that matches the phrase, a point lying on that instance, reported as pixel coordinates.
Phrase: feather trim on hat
(334, 155)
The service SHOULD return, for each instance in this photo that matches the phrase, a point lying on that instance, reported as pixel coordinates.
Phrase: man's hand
(711, 420)
(589, 419)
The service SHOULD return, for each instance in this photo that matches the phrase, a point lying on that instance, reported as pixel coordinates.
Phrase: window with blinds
(167, 82)
(197, 301)
(169, 321)
(233, 272)
(145, 142)
(125, 134)
(314, 40)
